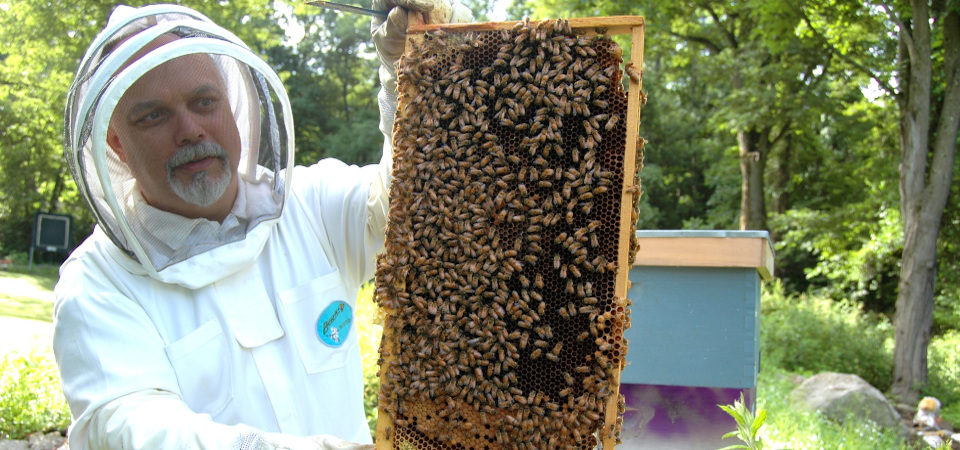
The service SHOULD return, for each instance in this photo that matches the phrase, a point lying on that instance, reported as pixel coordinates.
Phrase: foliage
(855, 259)
(946, 314)
(946, 311)
(810, 334)
(838, 198)
(30, 396)
(787, 426)
(944, 382)
(814, 333)
(33, 80)
(748, 425)
(370, 328)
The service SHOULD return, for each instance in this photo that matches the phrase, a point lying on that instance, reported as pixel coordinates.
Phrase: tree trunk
(54, 199)
(753, 159)
(914, 315)
(781, 176)
(923, 194)
(345, 93)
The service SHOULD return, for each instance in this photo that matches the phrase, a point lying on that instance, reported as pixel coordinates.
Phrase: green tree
(40, 51)
(332, 80)
(917, 63)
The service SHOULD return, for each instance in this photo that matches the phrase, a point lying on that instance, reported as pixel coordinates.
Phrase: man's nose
(189, 129)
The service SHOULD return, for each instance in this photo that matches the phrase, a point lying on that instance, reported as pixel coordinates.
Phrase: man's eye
(150, 117)
(206, 102)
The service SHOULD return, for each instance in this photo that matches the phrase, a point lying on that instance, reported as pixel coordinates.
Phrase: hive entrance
(503, 277)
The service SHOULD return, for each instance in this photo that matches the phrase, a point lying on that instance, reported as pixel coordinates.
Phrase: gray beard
(202, 190)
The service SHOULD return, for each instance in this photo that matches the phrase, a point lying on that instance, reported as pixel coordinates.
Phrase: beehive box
(504, 278)
(696, 300)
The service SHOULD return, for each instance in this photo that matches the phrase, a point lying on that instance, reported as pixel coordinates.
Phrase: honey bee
(632, 72)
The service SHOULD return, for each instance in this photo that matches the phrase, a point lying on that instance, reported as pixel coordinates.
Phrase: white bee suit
(188, 333)
(242, 349)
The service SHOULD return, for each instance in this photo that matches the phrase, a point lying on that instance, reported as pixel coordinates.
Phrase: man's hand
(277, 441)
(390, 34)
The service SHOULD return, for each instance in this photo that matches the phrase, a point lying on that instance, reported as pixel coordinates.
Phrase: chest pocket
(319, 319)
(201, 360)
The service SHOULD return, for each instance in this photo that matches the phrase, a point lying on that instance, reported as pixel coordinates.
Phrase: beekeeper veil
(135, 42)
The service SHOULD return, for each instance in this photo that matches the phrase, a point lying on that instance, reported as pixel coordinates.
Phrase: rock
(49, 441)
(906, 411)
(836, 395)
(14, 445)
(938, 440)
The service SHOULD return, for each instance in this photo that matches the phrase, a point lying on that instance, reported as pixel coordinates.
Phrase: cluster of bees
(497, 281)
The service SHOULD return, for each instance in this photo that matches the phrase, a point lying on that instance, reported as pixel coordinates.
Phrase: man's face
(175, 131)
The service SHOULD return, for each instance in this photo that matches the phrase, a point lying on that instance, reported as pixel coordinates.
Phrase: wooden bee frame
(451, 418)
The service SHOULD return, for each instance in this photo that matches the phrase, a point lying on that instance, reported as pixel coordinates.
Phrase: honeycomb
(502, 327)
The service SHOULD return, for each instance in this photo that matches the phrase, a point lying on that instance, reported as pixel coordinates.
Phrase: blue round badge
(333, 325)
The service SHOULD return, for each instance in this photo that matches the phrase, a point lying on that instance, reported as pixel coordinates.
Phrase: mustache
(192, 152)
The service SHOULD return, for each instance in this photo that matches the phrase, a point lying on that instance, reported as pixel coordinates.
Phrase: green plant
(748, 425)
(787, 426)
(19, 258)
(370, 328)
(944, 373)
(30, 396)
(815, 333)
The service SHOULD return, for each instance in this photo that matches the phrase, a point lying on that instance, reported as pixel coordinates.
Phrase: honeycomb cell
(502, 326)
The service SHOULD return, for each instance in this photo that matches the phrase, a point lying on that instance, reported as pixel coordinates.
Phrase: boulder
(14, 445)
(47, 441)
(37, 441)
(837, 395)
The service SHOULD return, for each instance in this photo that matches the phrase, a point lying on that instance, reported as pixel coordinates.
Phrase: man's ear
(114, 142)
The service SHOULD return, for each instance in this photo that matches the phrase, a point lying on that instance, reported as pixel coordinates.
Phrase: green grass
(28, 294)
(788, 427)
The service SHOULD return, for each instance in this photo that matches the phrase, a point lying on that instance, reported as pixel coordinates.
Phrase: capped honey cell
(503, 325)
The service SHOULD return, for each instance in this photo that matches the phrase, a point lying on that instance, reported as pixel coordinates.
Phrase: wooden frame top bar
(611, 25)
(749, 251)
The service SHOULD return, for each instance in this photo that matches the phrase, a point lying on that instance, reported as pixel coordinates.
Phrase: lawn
(30, 397)
(28, 294)
(26, 310)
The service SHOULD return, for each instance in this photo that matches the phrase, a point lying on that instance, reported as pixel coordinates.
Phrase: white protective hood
(155, 240)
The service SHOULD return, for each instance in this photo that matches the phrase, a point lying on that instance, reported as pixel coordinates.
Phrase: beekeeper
(213, 305)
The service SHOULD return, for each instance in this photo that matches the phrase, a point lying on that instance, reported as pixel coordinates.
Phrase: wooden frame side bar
(627, 228)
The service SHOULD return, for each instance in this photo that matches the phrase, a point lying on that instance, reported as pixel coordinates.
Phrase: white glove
(390, 34)
(160, 419)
